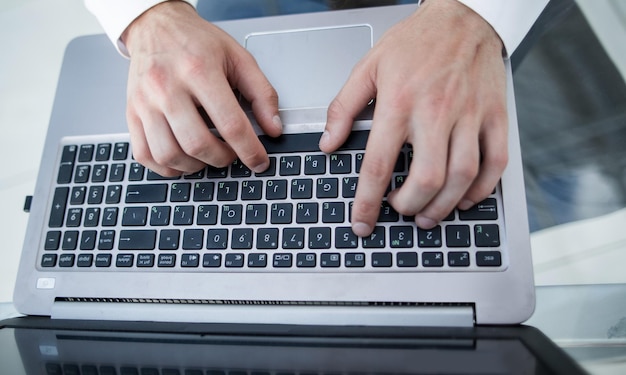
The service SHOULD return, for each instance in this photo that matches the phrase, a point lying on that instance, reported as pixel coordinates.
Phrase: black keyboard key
(488, 258)
(66, 260)
(282, 260)
(193, 239)
(429, 237)
(145, 260)
(458, 259)
(234, 260)
(65, 173)
(82, 174)
(257, 260)
(183, 215)
(149, 193)
(270, 171)
(85, 153)
(207, 214)
(267, 238)
(144, 239)
(251, 190)
(387, 214)
(314, 164)
(340, 163)
(276, 189)
(69, 154)
(376, 239)
(333, 212)
(106, 239)
(74, 216)
(354, 260)
(53, 239)
(169, 239)
(49, 260)
(160, 216)
(302, 188)
(485, 210)
(109, 217)
(319, 238)
(166, 260)
(217, 239)
(256, 214)
(95, 194)
(213, 172)
(99, 173)
(458, 235)
(289, 166)
(211, 260)
(136, 172)
(124, 260)
(203, 191)
(330, 260)
(239, 169)
(190, 260)
(345, 238)
(487, 235)
(135, 216)
(306, 260)
(59, 201)
(84, 260)
(88, 240)
(227, 190)
(180, 192)
(281, 213)
(114, 193)
(103, 260)
(406, 259)
(92, 217)
(153, 176)
(293, 238)
(348, 186)
(196, 175)
(103, 152)
(70, 240)
(120, 151)
(401, 236)
(327, 188)
(232, 214)
(306, 213)
(117, 172)
(432, 259)
(78, 195)
(381, 260)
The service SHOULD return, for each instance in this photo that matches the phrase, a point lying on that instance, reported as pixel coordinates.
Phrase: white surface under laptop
(90, 100)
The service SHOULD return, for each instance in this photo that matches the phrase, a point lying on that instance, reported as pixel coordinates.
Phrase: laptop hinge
(412, 316)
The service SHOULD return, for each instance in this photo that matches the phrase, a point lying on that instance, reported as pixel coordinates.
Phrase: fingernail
(361, 229)
(261, 167)
(466, 204)
(425, 222)
(277, 122)
(324, 138)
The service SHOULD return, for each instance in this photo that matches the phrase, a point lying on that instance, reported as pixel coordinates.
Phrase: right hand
(180, 62)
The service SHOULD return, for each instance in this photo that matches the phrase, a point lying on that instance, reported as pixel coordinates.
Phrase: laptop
(108, 240)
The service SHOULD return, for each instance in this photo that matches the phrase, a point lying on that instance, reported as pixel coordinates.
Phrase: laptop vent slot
(256, 302)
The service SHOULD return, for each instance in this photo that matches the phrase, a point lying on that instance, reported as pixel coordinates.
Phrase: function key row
(409, 259)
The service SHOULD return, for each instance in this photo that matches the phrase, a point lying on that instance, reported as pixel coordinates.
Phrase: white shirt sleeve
(511, 19)
(116, 15)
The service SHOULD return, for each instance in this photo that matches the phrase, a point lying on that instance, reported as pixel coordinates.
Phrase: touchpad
(308, 67)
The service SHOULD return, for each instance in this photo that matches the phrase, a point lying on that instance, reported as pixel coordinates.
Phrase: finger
(494, 160)
(194, 137)
(349, 102)
(229, 119)
(383, 146)
(255, 87)
(462, 169)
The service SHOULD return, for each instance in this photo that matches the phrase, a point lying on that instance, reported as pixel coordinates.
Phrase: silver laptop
(109, 240)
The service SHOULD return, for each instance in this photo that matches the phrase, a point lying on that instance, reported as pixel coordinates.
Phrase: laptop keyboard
(109, 213)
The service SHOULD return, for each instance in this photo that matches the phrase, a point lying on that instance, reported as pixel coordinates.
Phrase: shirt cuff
(116, 15)
(511, 19)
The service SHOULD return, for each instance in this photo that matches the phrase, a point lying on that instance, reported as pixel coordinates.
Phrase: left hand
(439, 83)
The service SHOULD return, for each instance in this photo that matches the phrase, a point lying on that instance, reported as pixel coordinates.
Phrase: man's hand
(439, 83)
(180, 62)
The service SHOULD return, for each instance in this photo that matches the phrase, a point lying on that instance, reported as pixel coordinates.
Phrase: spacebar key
(151, 193)
(137, 240)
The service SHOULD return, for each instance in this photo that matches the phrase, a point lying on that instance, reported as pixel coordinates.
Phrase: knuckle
(430, 181)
